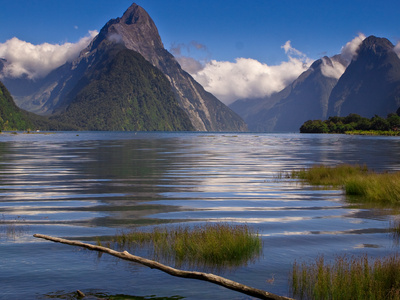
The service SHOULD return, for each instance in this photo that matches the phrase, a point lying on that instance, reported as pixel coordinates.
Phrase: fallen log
(227, 283)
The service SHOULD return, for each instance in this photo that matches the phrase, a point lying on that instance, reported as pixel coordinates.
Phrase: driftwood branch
(172, 271)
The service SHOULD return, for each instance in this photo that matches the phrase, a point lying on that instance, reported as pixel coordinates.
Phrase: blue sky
(229, 29)
(226, 29)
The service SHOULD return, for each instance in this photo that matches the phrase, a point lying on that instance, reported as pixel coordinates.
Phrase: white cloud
(332, 68)
(183, 54)
(189, 64)
(115, 38)
(350, 49)
(397, 49)
(249, 78)
(37, 61)
(289, 50)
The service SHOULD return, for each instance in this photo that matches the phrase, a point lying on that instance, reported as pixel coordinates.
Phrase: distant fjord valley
(134, 84)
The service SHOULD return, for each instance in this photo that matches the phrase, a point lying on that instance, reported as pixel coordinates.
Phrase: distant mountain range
(369, 85)
(124, 80)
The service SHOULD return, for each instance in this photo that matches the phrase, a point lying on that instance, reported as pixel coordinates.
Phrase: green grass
(373, 132)
(329, 176)
(368, 186)
(355, 277)
(211, 245)
(347, 278)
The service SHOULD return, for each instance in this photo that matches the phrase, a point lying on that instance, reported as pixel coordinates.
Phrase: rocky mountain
(306, 98)
(368, 86)
(63, 93)
(371, 83)
(122, 91)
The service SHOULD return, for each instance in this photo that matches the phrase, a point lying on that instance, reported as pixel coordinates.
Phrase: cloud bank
(182, 54)
(397, 49)
(349, 51)
(332, 68)
(37, 61)
(335, 67)
(249, 78)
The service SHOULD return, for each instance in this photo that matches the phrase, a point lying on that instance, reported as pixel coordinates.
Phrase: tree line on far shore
(352, 122)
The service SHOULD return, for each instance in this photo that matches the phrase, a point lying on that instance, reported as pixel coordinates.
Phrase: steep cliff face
(370, 84)
(136, 31)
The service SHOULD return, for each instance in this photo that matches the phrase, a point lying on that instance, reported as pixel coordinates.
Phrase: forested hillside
(11, 117)
(123, 92)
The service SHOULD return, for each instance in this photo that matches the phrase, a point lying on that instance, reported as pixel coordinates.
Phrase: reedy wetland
(217, 245)
(355, 180)
(355, 277)
(347, 278)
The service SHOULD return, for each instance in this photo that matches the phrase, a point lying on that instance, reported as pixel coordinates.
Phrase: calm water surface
(83, 185)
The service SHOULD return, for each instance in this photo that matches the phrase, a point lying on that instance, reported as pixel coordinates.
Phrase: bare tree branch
(172, 271)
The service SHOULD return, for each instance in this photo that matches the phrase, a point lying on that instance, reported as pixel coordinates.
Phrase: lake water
(80, 185)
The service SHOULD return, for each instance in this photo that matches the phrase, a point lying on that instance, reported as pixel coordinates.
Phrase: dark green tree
(394, 121)
(379, 123)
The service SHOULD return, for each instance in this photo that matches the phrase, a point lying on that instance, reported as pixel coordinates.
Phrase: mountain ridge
(371, 83)
(280, 111)
(367, 85)
(136, 31)
(103, 99)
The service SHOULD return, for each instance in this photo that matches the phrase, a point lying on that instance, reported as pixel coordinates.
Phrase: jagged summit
(135, 14)
(376, 45)
(371, 83)
(135, 30)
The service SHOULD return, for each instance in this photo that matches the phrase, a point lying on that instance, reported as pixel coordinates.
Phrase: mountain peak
(376, 45)
(135, 30)
(134, 15)
(371, 83)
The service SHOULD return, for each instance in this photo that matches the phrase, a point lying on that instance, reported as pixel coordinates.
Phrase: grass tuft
(356, 180)
(211, 245)
(331, 176)
(347, 278)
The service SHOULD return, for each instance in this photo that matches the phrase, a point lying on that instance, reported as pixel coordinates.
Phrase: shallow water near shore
(81, 185)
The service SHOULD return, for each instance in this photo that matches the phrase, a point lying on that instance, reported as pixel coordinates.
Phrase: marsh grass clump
(330, 176)
(375, 187)
(355, 180)
(210, 245)
(347, 278)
